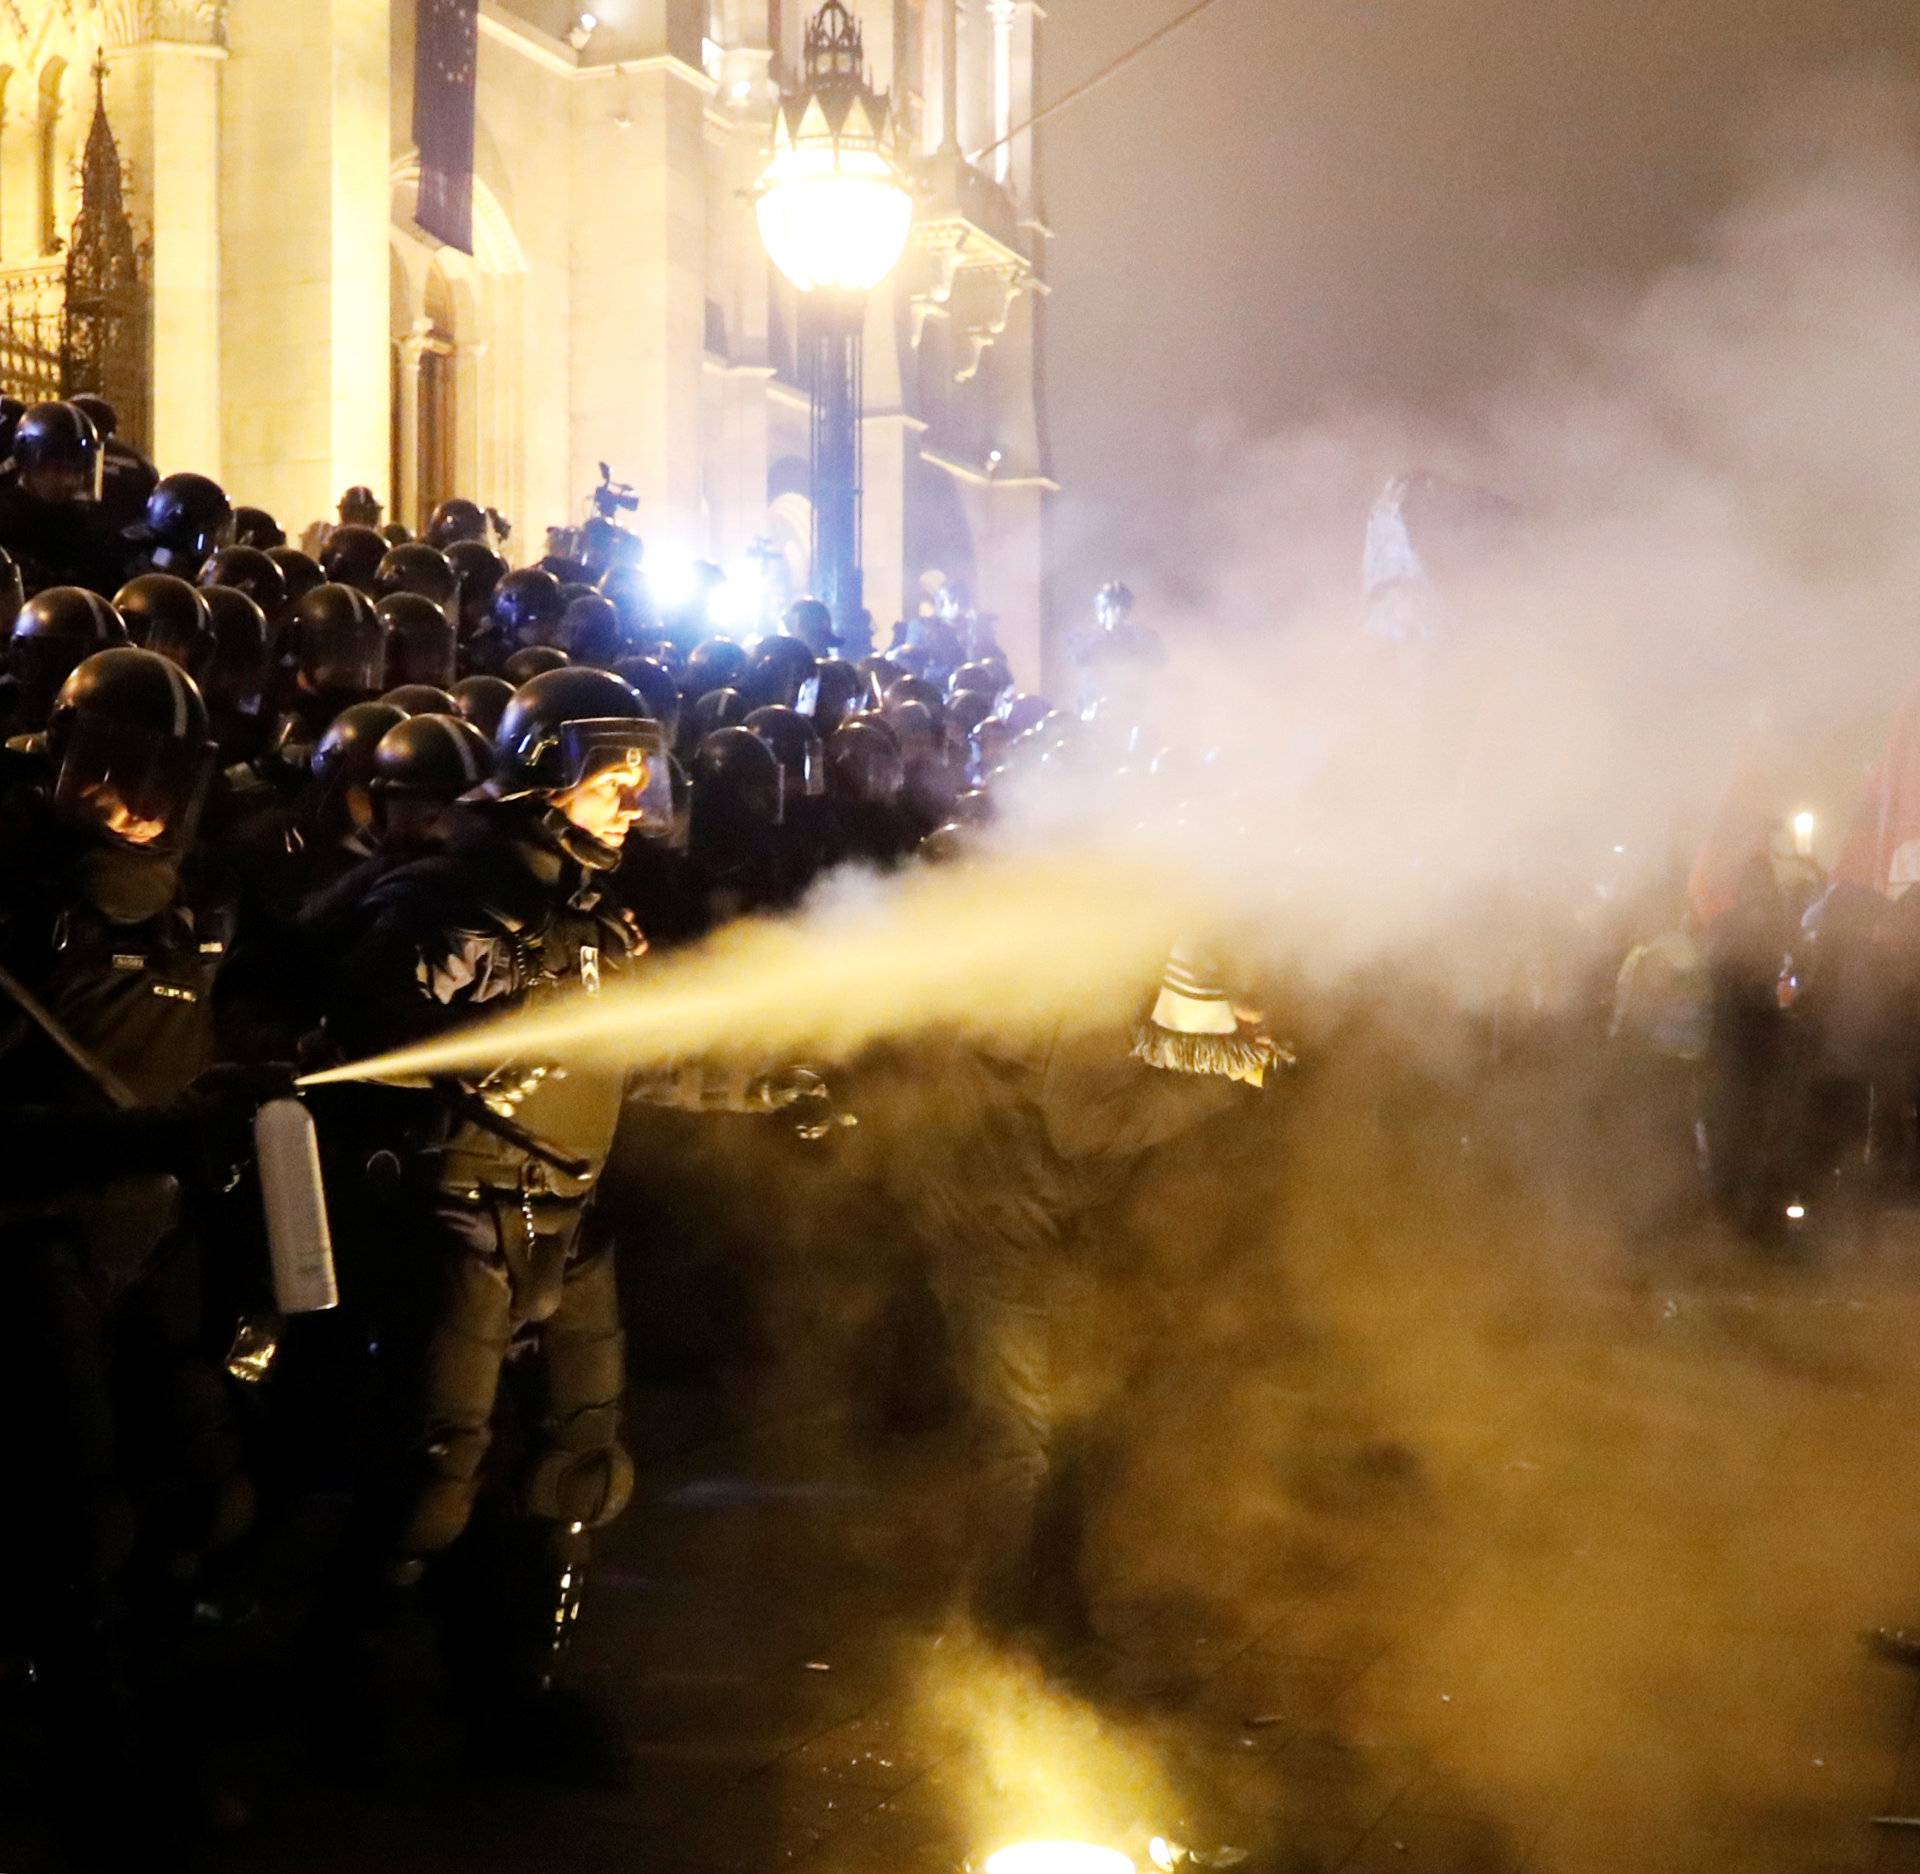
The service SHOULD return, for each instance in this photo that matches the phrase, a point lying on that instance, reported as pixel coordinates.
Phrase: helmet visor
(144, 788)
(626, 762)
(348, 663)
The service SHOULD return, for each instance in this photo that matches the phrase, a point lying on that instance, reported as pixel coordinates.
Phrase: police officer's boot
(520, 1719)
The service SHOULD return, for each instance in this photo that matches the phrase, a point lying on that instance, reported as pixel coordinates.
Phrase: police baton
(111, 1087)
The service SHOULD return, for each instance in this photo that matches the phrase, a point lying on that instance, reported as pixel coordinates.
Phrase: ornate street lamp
(835, 212)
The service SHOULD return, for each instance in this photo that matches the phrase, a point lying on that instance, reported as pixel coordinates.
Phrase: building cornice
(979, 478)
(555, 56)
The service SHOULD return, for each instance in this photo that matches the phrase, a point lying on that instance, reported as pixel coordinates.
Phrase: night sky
(1294, 206)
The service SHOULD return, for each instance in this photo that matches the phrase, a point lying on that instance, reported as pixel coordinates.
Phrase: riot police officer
(56, 631)
(49, 503)
(353, 556)
(455, 521)
(122, 1461)
(739, 808)
(509, 1258)
(187, 517)
(253, 571)
(167, 615)
(337, 646)
(811, 622)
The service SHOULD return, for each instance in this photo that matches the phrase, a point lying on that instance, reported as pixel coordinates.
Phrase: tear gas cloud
(1377, 1324)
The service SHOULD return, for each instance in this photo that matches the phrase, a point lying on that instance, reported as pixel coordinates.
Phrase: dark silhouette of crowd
(268, 811)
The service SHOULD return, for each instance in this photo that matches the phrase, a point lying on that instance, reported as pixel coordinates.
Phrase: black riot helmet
(914, 728)
(456, 521)
(187, 517)
(300, 570)
(990, 676)
(482, 701)
(967, 710)
(255, 527)
(879, 671)
(570, 727)
(430, 758)
(417, 567)
(339, 643)
(653, 682)
(422, 699)
(591, 632)
(13, 595)
(841, 692)
(535, 661)
(352, 556)
(98, 411)
(528, 606)
(781, 670)
(739, 796)
(235, 676)
(131, 749)
(1021, 712)
(360, 507)
(715, 664)
(251, 570)
(59, 453)
(11, 411)
(718, 709)
(796, 746)
(864, 767)
(988, 746)
(56, 631)
(168, 616)
(342, 763)
(811, 621)
(420, 640)
(922, 690)
(530, 740)
(479, 570)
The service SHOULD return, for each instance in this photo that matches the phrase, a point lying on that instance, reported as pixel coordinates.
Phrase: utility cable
(1088, 85)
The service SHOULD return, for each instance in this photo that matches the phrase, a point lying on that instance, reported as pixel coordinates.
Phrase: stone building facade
(302, 334)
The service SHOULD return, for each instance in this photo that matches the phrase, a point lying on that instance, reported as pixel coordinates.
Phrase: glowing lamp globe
(835, 212)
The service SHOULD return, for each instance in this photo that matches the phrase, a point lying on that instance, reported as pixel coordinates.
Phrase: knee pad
(587, 1487)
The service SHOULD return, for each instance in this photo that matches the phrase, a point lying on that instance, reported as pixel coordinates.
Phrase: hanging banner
(446, 62)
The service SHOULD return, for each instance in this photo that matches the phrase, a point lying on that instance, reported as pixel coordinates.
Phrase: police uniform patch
(125, 961)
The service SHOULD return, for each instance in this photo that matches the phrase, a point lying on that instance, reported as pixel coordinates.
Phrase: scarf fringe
(1249, 1058)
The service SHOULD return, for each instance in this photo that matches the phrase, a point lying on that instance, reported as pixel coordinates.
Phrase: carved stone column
(164, 61)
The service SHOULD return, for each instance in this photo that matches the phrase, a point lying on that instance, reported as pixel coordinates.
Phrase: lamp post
(835, 212)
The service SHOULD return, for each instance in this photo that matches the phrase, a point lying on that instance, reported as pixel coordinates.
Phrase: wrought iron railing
(32, 330)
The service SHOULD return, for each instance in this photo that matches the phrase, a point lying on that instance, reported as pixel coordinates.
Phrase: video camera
(613, 498)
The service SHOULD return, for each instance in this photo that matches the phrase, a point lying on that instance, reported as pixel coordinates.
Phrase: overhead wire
(1075, 93)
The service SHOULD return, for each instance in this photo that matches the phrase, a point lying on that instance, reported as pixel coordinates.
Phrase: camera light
(670, 577)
